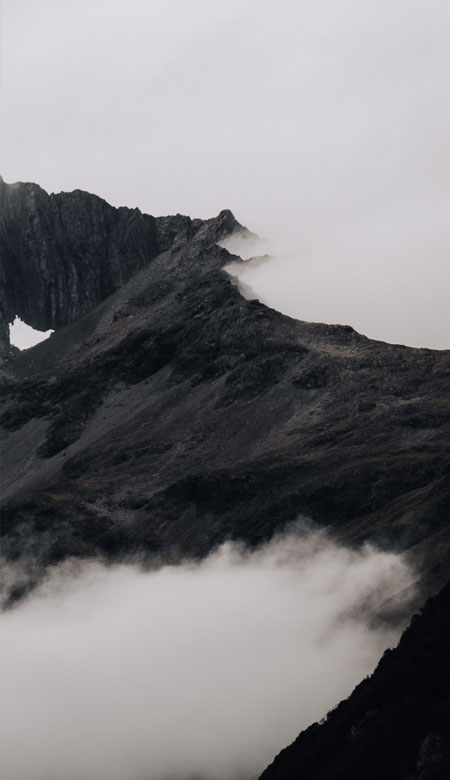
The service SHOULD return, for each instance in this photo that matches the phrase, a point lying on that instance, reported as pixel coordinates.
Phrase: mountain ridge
(64, 253)
(122, 440)
(168, 414)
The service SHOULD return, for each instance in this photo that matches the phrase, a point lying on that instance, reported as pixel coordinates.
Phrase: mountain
(168, 413)
(64, 254)
(396, 724)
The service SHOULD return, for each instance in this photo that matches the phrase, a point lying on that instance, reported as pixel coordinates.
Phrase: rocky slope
(167, 413)
(396, 724)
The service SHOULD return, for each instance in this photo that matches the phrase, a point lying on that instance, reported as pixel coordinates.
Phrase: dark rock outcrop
(167, 413)
(396, 724)
(61, 255)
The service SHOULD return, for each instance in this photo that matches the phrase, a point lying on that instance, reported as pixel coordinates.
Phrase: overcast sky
(323, 124)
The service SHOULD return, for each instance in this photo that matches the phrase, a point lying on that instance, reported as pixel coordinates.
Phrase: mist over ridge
(348, 283)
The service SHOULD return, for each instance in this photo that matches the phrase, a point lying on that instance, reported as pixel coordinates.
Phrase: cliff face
(175, 414)
(61, 255)
(395, 725)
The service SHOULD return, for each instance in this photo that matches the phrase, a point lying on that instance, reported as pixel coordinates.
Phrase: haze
(323, 125)
(200, 671)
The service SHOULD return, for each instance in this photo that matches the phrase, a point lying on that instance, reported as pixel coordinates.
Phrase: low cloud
(199, 670)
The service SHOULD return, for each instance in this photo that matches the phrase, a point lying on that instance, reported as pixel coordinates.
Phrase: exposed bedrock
(63, 254)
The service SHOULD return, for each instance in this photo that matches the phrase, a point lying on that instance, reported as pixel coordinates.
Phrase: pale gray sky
(323, 124)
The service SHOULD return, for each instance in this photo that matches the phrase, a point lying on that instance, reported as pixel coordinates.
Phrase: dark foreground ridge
(395, 725)
(167, 413)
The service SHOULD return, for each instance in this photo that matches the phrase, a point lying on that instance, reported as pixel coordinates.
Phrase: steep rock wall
(61, 255)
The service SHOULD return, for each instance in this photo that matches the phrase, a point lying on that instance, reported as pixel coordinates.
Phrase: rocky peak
(61, 255)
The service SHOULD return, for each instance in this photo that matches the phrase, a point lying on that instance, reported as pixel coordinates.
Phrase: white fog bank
(202, 671)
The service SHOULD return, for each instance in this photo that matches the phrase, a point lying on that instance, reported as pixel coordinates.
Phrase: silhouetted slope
(396, 724)
(176, 414)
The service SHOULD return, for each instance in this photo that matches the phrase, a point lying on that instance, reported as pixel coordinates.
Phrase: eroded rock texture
(61, 255)
(167, 413)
